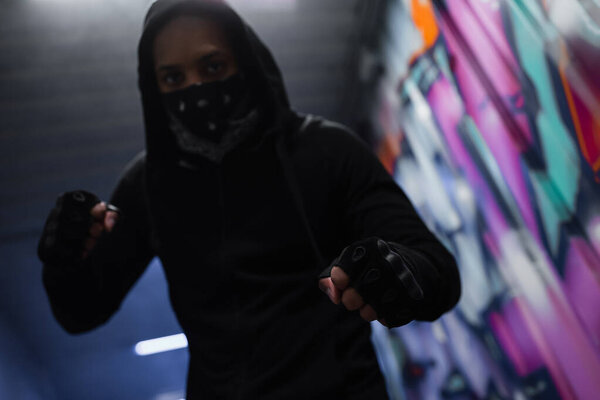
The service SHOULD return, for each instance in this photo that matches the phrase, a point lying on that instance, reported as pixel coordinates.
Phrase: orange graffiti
(423, 16)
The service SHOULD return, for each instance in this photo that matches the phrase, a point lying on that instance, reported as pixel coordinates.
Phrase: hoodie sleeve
(375, 206)
(86, 294)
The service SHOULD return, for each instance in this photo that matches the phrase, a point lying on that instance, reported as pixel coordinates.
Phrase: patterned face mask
(207, 119)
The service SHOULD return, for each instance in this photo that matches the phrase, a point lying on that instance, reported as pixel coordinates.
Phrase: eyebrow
(206, 57)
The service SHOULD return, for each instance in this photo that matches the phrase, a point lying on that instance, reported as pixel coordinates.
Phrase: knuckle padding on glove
(67, 226)
(383, 278)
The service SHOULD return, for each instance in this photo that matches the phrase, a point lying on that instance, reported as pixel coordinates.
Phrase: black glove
(384, 277)
(67, 227)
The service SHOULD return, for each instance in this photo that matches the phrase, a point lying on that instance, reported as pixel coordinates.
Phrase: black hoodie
(242, 242)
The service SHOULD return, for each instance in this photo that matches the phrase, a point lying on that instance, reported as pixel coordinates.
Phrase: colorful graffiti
(495, 105)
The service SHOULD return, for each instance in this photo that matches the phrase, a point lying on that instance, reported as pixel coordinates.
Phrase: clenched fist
(73, 227)
(376, 278)
(337, 287)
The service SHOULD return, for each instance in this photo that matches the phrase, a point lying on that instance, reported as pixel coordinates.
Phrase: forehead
(189, 36)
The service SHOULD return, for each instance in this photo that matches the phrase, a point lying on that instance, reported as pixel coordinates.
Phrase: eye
(172, 78)
(214, 67)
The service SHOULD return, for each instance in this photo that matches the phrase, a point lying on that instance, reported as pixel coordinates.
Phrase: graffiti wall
(489, 115)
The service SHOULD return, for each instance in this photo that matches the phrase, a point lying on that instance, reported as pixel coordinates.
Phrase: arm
(84, 291)
(376, 208)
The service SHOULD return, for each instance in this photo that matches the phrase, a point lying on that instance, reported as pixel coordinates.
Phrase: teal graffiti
(556, 187)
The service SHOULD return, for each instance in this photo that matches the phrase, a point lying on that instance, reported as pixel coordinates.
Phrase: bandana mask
(209, 119)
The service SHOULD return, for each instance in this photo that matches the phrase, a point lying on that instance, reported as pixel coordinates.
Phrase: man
(246, 204)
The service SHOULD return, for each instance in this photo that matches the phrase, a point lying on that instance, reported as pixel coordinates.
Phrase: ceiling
(70, 118)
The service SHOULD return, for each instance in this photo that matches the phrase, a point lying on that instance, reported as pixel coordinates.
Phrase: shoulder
(134, 170)
(326, 150)
(131, 181)
(332, 138)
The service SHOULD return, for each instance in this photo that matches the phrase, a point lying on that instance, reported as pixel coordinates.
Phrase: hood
(166, 185)
(254, 60)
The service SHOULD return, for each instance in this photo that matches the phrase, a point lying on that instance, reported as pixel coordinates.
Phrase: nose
(192, 77)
